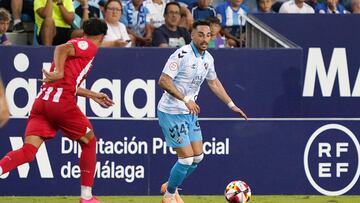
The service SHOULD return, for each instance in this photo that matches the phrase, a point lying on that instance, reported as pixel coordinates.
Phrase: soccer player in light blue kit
(181, 78)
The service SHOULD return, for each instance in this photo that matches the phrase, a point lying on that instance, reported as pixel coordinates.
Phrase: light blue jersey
(188, 69)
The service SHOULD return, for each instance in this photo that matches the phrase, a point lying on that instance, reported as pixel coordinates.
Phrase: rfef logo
(332, 159)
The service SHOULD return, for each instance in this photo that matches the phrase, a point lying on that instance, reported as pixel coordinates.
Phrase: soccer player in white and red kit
(55, 107)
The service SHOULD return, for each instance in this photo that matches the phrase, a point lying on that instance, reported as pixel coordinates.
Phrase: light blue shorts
(179, 129)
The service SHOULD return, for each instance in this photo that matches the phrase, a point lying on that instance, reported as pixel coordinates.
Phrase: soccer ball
(237, 192)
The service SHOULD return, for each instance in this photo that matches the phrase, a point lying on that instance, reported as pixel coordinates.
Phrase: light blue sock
(191, 169)
(177, 176)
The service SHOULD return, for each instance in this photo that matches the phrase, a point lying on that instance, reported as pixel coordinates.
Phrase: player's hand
(51, 76)
(103, 100)
(193, 107)
(239, 111)
(120, 43)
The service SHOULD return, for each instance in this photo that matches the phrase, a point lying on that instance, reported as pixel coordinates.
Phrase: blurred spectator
(186, 20)
(134, 18)
(296, 6)
(5, 18)
(232, 21)
(186, 3)
(85, 9)
(202, 10)
(171, 34)
(116, 35)
(156, 12)
(312, 3)
(17, 8)
(53, 21)
(330, 7)
(217, 40)
(355, 6)
(264, 6)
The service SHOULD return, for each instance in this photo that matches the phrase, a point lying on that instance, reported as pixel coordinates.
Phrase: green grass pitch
(187, 199)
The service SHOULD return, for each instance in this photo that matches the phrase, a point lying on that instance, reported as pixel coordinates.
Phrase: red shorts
(47, 117)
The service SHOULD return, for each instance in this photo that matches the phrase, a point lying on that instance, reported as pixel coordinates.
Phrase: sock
(86, 192)
(18, 157)
(16, 21)
(88, 162)
(197, 160)
(191, 169)
(177, 176)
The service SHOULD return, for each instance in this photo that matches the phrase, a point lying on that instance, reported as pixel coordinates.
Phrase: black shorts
(62, 36)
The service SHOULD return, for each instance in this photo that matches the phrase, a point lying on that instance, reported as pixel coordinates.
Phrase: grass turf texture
(187, 199)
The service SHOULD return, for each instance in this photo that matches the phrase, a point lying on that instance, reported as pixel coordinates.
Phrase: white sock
(1, 171)
(16, 21)
(86, 192)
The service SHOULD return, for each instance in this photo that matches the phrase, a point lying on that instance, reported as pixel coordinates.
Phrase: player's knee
(186, 161)
(29, 151)
(198, 158)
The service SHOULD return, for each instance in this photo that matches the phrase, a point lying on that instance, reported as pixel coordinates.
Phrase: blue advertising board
(268, 151)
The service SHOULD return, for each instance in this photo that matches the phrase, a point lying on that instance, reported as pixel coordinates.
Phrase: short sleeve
(82, 48)
(158, 37)
(211, 75)
(68, 4)
(172, 65)
(39, 4)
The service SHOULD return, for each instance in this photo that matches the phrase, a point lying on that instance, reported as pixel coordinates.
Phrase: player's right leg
(20, 156)
(37, 129)
(175, 131)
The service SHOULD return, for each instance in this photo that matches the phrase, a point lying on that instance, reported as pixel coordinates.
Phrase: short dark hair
(109, 1)
(171, 3)
(199, 23)
(94, 26)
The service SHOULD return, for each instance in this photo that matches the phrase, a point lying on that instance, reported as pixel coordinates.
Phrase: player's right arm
(61, 53)
(166, 83)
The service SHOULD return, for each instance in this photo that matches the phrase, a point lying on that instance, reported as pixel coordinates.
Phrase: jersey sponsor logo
(83, 45)
(173, 66)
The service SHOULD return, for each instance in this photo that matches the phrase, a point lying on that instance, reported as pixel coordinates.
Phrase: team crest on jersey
(193, 66)
(206, 65)
(173, 66)
(83, 45)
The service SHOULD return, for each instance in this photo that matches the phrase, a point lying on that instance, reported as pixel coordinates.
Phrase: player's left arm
(60, 54)
(218, 89)
(98, 97)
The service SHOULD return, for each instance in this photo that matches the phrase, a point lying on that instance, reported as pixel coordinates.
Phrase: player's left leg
(195, 136)
(77, 127)
(197, 147)
(87, 167)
